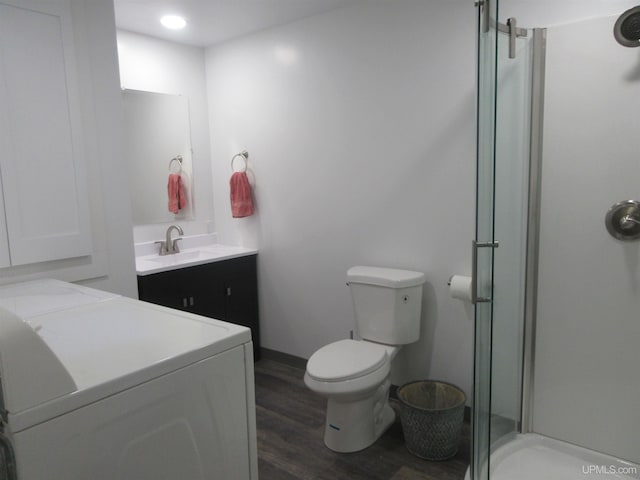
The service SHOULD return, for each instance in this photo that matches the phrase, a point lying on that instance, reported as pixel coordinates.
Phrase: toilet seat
(345, 360)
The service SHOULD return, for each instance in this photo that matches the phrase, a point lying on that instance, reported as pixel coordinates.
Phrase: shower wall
(587, 355)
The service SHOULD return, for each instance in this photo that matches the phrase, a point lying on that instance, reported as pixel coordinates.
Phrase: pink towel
(177, 198)
(241, 203)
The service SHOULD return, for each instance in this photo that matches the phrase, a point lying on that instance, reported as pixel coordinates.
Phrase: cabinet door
(208, 290)
(166, 289)
(241, 289)
(195, 289)
(43, 175)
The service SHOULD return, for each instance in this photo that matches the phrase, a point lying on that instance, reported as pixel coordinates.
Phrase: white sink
(148, 264)
(214, 249)
(175, 258)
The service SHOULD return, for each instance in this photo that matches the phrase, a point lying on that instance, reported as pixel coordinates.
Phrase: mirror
(157, 132)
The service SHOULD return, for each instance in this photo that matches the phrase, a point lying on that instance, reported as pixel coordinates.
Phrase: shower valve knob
(623, 220)
(628, 222)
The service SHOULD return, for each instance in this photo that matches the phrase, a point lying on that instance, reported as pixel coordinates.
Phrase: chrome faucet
(169, 247)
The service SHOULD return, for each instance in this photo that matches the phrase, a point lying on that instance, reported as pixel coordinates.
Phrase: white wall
(360, 128)
(155, 65)
(587, 333)
(547, 13)
(102, 110)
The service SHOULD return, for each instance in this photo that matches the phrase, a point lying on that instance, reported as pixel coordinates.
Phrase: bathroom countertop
(189, 257)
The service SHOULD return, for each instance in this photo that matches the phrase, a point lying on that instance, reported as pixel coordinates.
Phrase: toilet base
(355, 424)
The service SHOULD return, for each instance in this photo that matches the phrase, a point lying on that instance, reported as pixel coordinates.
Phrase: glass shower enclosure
(552, 288)
(504, 145)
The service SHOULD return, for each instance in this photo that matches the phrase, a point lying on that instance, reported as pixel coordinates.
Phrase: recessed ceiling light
(174, 22)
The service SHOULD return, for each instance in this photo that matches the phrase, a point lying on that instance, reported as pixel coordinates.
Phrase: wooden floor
(290, 428)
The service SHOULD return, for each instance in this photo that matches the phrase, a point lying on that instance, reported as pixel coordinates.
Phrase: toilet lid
(346, 359)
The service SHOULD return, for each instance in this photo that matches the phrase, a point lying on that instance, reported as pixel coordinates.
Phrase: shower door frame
(485, 230)
(533, 225)
(482, 276)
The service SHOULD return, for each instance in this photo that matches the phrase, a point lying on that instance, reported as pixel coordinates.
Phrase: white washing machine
(101, 387)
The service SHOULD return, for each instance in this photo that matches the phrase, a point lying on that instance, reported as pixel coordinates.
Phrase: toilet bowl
(349, 367)
(354, 374)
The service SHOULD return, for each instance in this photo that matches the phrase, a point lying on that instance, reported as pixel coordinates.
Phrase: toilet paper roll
(460, 287)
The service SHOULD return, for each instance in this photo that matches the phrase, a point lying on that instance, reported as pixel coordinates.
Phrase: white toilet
(354, 374)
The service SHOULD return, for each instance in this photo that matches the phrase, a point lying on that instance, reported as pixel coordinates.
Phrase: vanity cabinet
(226, 290)
(44, 194)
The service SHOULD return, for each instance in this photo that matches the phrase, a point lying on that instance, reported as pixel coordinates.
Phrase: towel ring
(178, 159)
(245, 155)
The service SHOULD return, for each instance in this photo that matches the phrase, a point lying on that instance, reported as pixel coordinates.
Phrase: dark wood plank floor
(290, 428)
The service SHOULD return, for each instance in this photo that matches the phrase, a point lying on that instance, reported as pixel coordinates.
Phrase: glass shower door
(483, 257)
(500, 249)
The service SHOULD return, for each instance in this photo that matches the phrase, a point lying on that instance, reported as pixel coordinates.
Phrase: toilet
(354, 374)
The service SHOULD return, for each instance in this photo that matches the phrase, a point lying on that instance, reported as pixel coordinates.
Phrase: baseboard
(285, 358)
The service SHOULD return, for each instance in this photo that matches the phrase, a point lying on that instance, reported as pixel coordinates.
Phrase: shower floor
(534, 457)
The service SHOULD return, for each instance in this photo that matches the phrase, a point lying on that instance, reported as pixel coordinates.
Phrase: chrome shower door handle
(474, 270)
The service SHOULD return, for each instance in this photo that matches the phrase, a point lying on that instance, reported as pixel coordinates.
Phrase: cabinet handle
(228, 291)
(184, 302)
(191, 302)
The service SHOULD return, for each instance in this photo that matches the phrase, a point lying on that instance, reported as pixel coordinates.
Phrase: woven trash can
(431, 414)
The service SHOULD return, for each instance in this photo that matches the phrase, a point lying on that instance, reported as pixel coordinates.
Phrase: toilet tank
(387, 303)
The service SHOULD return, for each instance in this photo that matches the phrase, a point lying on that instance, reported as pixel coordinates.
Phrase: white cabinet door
(41, 151)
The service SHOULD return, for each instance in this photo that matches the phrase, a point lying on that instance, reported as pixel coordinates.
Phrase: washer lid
(30, 372)
(385, 277)
(346, 359)
(101, 348)
(38, 297)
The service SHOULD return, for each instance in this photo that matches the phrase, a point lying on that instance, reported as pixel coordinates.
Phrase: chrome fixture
(623, 220)
(474, 270)
(627, 28)
(510, 28)
(514, 32)
(177, 159)
(245, 156)
(169, 247)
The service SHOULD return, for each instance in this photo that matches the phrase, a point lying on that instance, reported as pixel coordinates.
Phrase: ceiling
(215, 21)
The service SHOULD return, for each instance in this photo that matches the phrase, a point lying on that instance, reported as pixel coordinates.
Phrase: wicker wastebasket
(431, 414)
